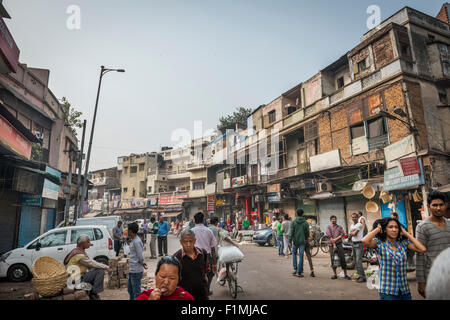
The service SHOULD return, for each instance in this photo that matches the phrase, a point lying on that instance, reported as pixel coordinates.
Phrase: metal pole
(68, 187)
(84, 193)
(80, 161)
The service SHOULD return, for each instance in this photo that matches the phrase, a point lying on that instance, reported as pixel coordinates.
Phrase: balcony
(211, 188)
(197, 193)
(286, 173)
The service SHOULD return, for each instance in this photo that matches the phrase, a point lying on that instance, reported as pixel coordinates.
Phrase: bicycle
(231, 278)
(323, 243)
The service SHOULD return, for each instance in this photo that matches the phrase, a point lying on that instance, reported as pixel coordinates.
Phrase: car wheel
(18, 273)
(270, 241)
(261, 244)
(102, 260)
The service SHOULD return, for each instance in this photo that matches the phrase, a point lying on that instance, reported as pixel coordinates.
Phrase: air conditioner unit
(324, 187)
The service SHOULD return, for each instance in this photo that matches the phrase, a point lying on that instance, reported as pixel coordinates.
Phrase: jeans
(286, 244)
(134, 284)
(162, 245)
(301, 251)
(357, 257)
(117, 246)
(153, 238)
(392, 297)
(275, 239)
(308, 256)
(280, 245)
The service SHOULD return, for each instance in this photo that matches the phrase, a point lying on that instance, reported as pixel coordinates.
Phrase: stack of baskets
(49, 276)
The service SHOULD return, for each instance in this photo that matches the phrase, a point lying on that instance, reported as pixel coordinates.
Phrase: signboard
(238, 181)
(395, 180)
(400, 149)
(31, 200)
(12, 138)
(273, 197)
(410, 166)
(8, 48)
(211, 202)
(50, 189)
(273, 188)
(172, 199)
(326, 160)
(360, 145)
(152, 201)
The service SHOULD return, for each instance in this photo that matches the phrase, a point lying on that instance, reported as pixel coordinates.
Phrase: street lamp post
(103, 71)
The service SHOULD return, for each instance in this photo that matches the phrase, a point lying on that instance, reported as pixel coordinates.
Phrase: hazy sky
(184, 60)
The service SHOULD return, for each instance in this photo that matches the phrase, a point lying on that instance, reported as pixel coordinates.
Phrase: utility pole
(79, 203)
(68, 187)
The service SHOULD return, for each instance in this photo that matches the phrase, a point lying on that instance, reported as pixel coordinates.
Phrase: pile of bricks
(66, 294)
(148, 281)
(118, 277)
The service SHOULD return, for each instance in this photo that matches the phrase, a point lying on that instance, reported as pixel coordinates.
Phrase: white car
(57, 243)
(109, 221)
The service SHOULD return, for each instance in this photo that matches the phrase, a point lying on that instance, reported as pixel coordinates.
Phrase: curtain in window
(357, 131)
(376, 128)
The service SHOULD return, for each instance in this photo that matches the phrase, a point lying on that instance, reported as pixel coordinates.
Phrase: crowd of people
(188, 273)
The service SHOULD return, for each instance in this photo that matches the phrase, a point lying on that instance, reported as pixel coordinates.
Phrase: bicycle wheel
(324, 244)
(232, 280)
(314, 248)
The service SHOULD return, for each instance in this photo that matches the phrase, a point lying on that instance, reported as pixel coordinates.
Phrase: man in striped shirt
(434, 234)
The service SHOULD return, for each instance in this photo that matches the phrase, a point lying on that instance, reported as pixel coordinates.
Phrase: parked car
(263, 236)
(57, 243)
(109, 221)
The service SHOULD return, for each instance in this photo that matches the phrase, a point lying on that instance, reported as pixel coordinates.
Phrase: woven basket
(51, 286)
(47, 267)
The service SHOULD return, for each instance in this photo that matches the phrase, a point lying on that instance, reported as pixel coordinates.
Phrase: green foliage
(71, 116)
(36, 152)
(239, 116)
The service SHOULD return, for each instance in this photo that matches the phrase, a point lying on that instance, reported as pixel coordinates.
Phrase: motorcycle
(369, 254)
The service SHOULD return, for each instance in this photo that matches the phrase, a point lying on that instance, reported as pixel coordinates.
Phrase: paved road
(262, 275)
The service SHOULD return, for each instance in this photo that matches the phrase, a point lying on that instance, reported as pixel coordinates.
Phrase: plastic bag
(230, 253)
(126, 249)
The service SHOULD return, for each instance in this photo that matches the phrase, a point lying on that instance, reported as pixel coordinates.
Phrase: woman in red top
(167, 276)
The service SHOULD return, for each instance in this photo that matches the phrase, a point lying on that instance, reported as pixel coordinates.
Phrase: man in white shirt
(357, 234)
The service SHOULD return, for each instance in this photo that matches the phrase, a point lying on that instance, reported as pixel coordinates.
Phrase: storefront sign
(172, 199)
(211, 203)
(273, 188)
(238, 181)
(152, 201)
(31, 200)
(395, 180)
(326, 160)
(8, 48)
(273, 197)
(50, 189)
(400, 149)
(12, 138)
(410, 166)
(221, 202)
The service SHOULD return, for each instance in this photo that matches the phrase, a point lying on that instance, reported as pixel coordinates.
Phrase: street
(263, 275)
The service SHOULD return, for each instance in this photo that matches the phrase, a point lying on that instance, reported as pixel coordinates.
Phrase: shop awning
(171, 214)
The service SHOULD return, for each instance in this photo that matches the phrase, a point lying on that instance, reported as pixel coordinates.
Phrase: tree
(239, 116)
(71, 116)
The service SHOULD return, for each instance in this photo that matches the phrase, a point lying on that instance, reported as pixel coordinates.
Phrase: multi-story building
(105, 193)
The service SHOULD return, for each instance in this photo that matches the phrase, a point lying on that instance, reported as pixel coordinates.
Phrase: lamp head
(399, 111)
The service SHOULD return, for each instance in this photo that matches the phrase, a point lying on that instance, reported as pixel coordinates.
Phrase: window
(141, 166)
(98, 234)
(405, 50)
(76, 233)
(53, 239)
(133, 169)
(376, 127)
(198, 185)
(291, 109)
(149, 189)
(443, 98)
(340, 82)
(272, 116)
(125, 170)
(301, 135)
(363, 65)
(357, 131)
(125, 189)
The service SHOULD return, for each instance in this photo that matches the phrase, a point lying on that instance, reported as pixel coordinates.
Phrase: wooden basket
(51, 286)
(47, 267)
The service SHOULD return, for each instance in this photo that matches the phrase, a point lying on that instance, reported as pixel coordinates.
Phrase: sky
(185, 61)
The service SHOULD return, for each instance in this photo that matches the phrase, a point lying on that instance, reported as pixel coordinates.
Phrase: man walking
(144, 227)
(298, 235)
(163, 230)
(274, 231)
(153, 237)
(357, 234)
(206, 240)
(434, 234)
(137, 263)
(312, 228)
(117, 235)
(335, 233)
(285, 226)
(280, 238)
